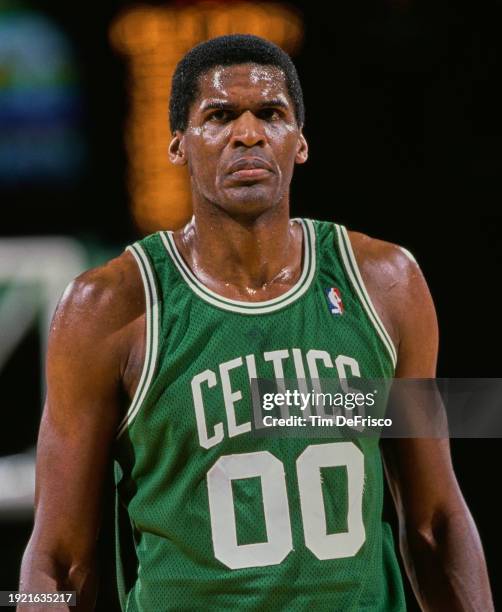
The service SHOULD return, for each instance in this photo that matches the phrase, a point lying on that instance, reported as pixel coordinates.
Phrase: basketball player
(149, 365)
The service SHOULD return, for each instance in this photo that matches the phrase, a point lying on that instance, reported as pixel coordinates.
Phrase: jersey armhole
(152, 335)
(354, 274)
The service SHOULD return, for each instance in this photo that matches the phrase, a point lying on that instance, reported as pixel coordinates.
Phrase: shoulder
(101, 301)
(383, 261)
(395, 283)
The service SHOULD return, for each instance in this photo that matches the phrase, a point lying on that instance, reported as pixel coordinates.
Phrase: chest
(320, 336)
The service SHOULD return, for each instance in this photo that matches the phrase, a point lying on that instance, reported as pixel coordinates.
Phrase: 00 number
(276, 507)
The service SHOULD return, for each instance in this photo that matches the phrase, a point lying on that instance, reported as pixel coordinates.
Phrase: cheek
(203, 160)
(283, 132)
(285, 144)
(206, 147)
(213, 136)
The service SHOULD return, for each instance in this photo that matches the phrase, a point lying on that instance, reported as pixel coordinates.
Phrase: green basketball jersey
(211, 516)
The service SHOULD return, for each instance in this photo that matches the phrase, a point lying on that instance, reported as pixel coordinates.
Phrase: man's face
(242, 140)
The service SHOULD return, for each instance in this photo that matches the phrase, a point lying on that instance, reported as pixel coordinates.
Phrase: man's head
(237, 113)
(227, 51)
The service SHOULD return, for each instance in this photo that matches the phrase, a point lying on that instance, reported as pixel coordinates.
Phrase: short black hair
(226, 51)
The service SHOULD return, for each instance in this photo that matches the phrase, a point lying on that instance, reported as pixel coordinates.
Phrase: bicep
(78, 424)
(419, 469)
(416, 320)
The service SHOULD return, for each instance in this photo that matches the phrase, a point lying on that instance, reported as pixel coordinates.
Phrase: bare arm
(87, 357)
(439, 541)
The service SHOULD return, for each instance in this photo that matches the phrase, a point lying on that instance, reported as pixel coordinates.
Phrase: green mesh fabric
(165, 540)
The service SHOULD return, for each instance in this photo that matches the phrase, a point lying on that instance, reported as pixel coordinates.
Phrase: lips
(249, 163)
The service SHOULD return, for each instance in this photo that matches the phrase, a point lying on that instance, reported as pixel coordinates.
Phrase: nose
(247, 130)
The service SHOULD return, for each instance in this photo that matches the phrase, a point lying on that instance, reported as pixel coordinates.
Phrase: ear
(177, 149)
(302, 151)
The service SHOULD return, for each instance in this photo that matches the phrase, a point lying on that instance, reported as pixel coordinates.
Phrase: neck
(245, 255)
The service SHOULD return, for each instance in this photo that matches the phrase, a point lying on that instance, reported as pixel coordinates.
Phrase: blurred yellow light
(154, 39)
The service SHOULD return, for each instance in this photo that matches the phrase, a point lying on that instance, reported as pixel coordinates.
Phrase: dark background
(403, 120)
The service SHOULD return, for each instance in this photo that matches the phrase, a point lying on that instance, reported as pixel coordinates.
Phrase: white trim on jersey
(206, 294)
(354, 274)
(152, 335)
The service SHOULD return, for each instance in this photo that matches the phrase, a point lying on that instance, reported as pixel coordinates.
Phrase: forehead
(225, 82)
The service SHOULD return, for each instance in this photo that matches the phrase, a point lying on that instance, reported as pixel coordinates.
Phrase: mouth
(251, 173)
(250, 168)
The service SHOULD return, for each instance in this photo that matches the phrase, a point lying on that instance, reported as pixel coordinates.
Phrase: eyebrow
(223, 104)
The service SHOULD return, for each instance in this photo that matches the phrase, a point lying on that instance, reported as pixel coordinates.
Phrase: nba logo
(334, 301)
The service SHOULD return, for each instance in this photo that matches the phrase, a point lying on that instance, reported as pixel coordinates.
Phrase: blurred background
(403, 119)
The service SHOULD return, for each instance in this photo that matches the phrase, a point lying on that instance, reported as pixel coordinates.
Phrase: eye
(219, 116)
(269, 114)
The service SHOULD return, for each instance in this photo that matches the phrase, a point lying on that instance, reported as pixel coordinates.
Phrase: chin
(250, 200)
